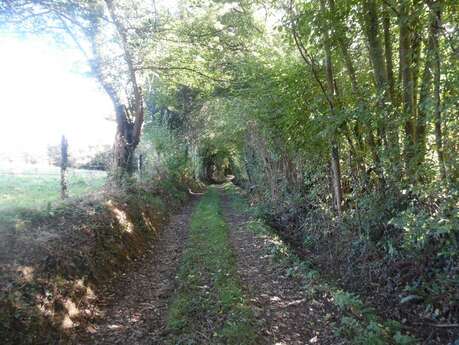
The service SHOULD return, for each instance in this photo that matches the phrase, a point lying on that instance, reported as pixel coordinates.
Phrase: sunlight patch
(27, 272)
(114, 326)
(121, 216)
(314, 340)
(71, 307)
(67, 322)
(148, 222)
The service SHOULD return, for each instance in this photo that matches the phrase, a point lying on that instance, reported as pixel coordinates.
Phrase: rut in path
(137, 314)
(286, 314)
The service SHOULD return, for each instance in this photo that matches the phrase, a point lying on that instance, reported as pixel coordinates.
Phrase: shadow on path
(137, 312)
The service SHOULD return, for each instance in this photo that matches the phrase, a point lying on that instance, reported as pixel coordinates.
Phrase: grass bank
(209, 307)
(54, 262)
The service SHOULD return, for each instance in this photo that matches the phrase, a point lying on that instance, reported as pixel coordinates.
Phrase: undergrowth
(358, 322)
(401, 242)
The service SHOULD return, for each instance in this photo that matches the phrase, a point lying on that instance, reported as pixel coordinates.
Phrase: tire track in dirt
(137, 313)
(286, 315)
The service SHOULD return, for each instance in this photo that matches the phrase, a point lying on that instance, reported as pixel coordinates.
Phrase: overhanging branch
(183, 68)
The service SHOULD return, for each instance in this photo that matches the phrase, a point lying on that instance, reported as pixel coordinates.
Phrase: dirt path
(286, 314)
(137, 313)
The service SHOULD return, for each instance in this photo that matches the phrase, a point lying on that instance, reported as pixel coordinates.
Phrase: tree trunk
(375, 47)
(357, 128)
(407, 84)
(424, 94)
(388, 52)
(129, 120)
(336, 177)
(334, 152)
(437, 11)
(140, 166)
(377, 60)
(124, 145)
(416, 44)
(393, 116)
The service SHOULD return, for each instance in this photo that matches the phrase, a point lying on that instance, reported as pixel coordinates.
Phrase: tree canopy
(348, 108)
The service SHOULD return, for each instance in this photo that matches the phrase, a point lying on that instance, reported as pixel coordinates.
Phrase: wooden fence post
(140, 166)
(64, 165)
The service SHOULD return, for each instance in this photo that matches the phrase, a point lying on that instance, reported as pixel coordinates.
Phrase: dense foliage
(339, 117)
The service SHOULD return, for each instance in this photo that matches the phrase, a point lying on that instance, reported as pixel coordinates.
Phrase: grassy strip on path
(209, 307)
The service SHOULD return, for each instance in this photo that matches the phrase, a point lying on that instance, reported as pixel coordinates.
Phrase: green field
(35, 187)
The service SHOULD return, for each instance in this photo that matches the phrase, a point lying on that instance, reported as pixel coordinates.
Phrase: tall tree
(393, 116)
(130, 117)
(407, 84)
(331, 91)
(96, 27)
(436, 14)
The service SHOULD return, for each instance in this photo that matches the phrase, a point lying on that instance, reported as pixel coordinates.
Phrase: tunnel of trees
(339, 118)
